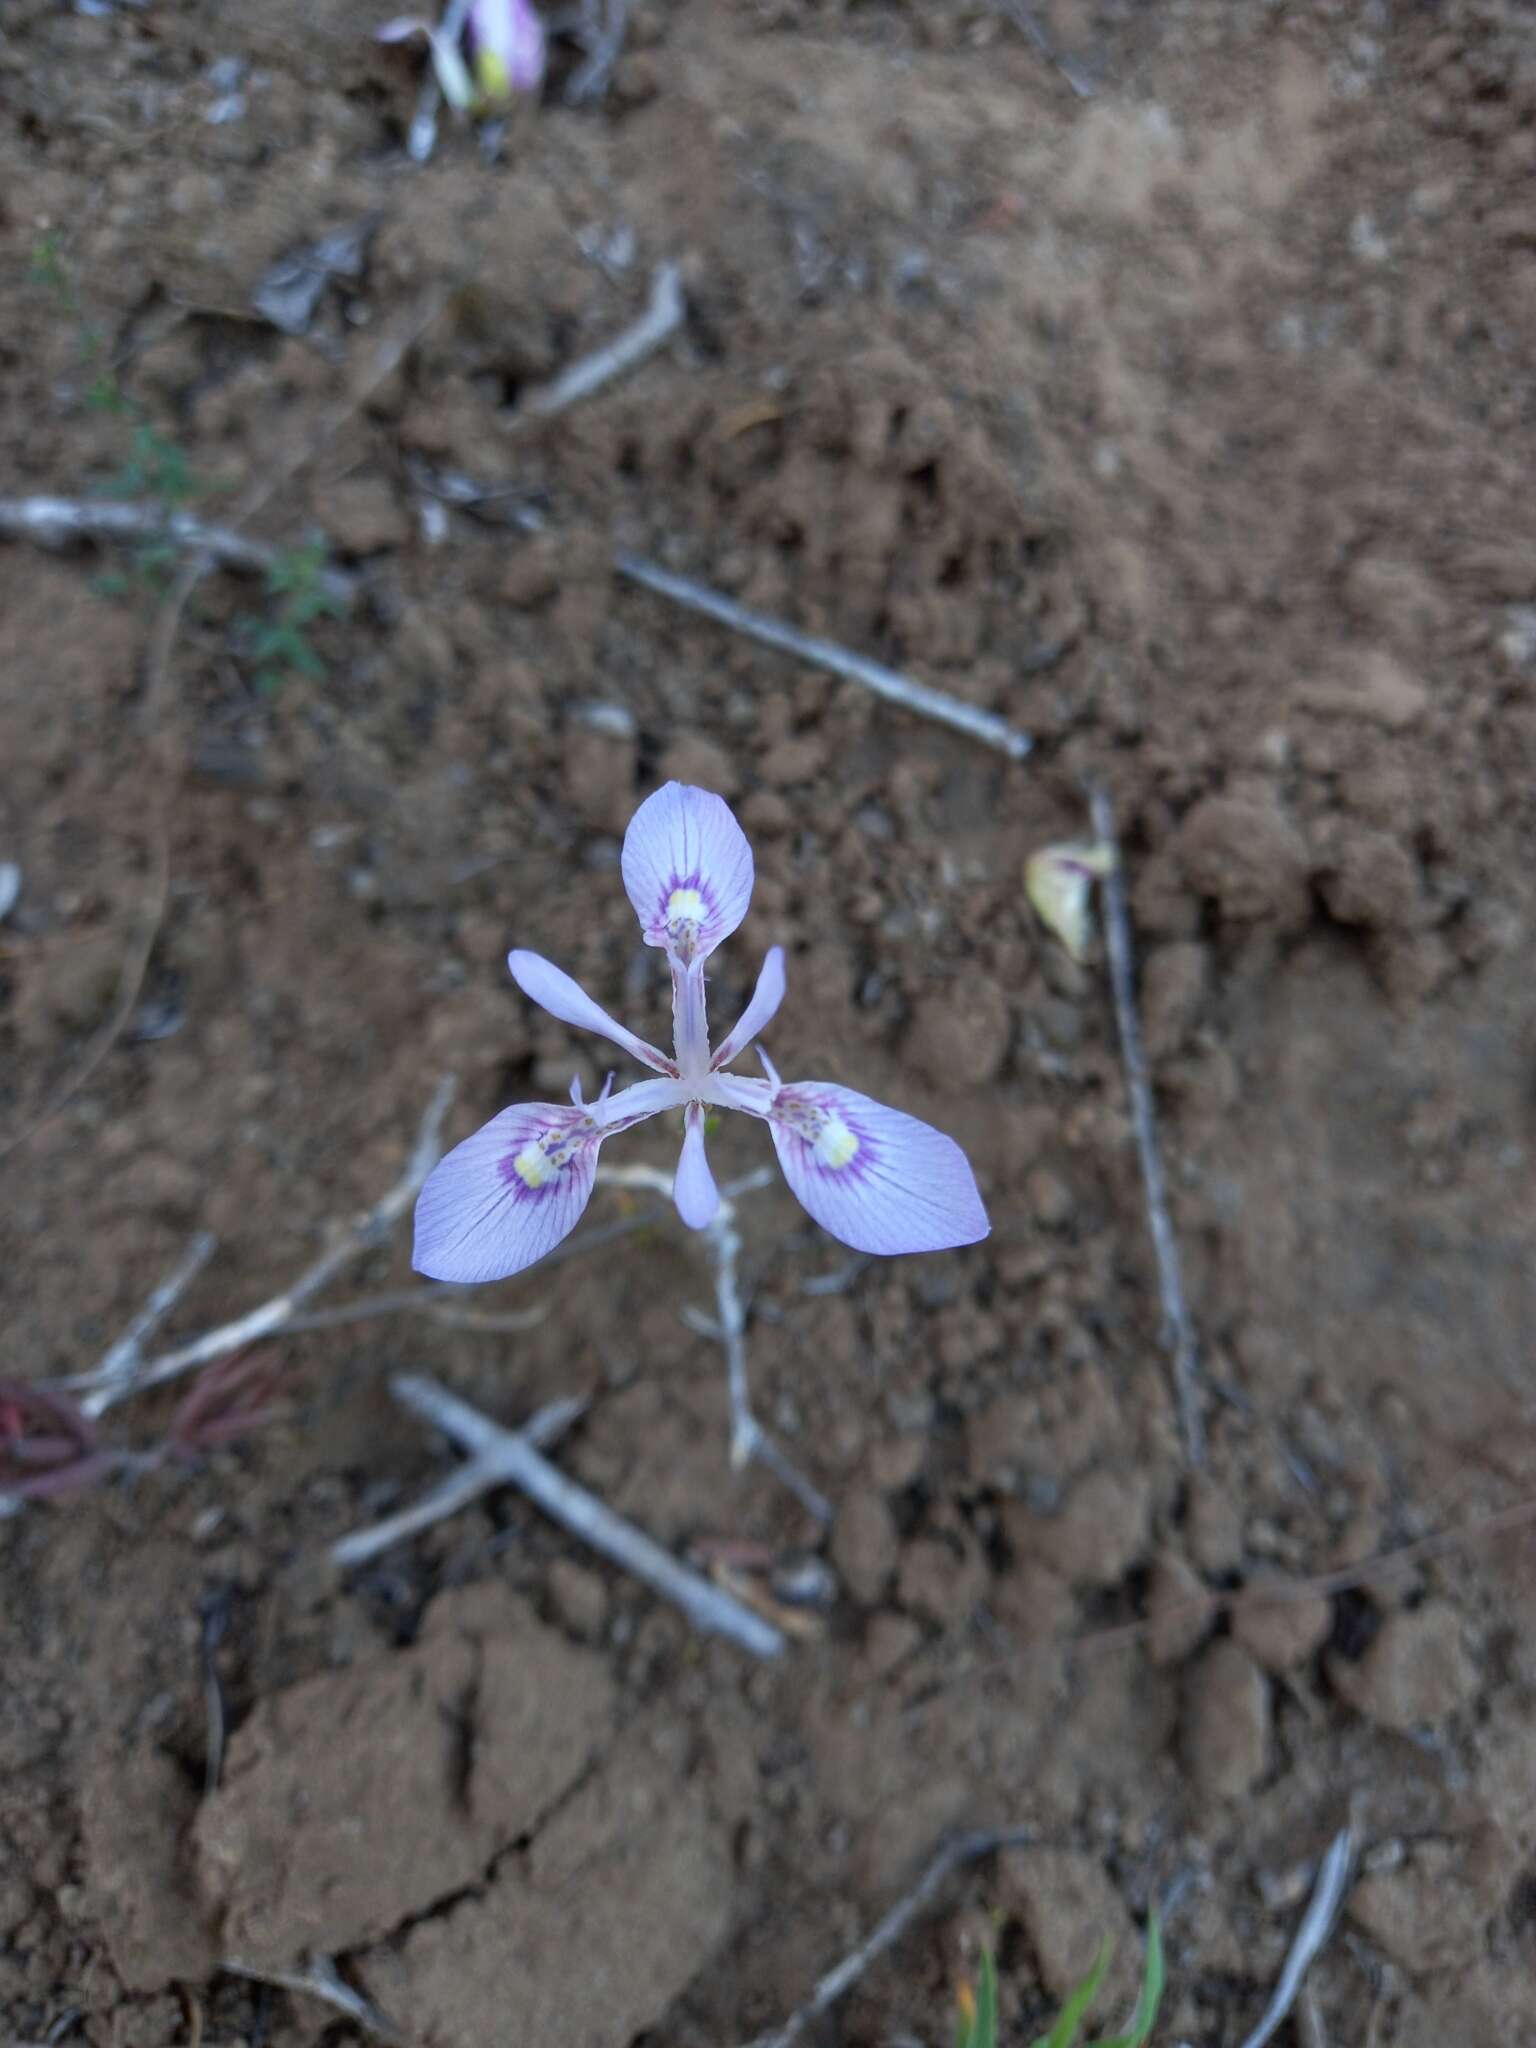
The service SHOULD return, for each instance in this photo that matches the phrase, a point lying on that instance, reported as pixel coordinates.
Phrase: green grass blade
(1150, 1997)
(1064, 2033)
(979, 2030)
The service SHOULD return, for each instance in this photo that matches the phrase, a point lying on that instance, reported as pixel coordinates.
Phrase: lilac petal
(402, 28)
(506, 1196)
(542, 982)
(688, 870)
(873, 1177)
(507, 43)
(694, 1189)
(766, 998)
(634, 1104)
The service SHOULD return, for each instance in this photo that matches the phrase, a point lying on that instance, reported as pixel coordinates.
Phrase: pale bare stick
(749, 1440)
(589, 1519)
(122, 1361)
(53, 522)
(483, 1473)
(661, 319)
(1316, 1925)
(321, 1979)
(886, 1933)
(1178, 1325)
(101, 1393)
(728, 1328)
(922, 698)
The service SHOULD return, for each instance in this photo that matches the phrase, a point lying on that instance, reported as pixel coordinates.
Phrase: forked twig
(1178, 1325)
(885, 1933)
(101, 1391)
(482, 1474)
(516, 1463)
(1316, 1926)
(661, 319)
(885, 682)
(321, 1979)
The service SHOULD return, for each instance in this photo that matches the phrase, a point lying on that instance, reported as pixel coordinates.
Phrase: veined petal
(873, 1177)
(506, 1196)
(542, 982)
(766, 998)
(694, 1189)
(687, 868)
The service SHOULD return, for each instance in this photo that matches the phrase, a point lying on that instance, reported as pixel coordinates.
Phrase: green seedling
(978, 2006)
(278, 644)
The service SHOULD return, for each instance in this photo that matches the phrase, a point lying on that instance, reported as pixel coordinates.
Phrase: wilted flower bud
(1057, 881)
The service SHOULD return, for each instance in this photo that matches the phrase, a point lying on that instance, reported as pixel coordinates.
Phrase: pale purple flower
(871, 1176)
(501, 51)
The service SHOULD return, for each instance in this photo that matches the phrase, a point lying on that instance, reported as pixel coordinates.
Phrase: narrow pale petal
(873, 1177)
(506, 1196)
(634, 1104)
(452, 72)
(687, 868)
(542, 982)
(694, 1189)
(766, 998)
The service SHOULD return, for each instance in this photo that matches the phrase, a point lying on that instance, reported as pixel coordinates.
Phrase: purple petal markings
(506, 1196)
(873, 1177)
(687, 869)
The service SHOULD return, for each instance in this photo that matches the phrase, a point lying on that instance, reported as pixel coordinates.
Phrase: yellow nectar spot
(836, 1145)
(532, 1165)
(685, 906)
(492, 76)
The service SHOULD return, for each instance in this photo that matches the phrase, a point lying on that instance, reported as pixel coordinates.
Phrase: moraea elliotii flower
(873, 1177)
(501, 52)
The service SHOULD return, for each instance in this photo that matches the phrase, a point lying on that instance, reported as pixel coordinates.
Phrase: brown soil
(1190, 425)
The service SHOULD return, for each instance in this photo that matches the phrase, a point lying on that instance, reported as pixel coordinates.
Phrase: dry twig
(963, 1849)
(661, 319)
(728, 1328)
(123, 1359)
(481, 1475)
(101, 1391)
(749, 1440)
(513, 1461)
(1178, 1325)
(922, 698)
(1316, 1926)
